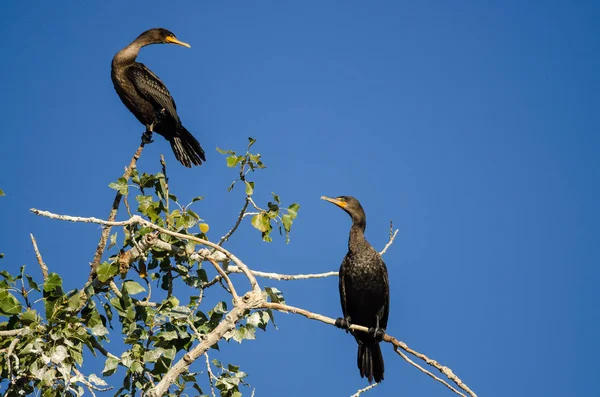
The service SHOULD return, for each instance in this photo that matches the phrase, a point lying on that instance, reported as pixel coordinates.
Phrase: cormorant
(147, 97)
(364, 291)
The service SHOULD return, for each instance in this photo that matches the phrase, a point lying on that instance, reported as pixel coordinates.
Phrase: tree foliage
(149, 292)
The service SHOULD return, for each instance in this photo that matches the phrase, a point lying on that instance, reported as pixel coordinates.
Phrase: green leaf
(197, 199)
(225, 151)
(28, 316)
(231, 161)
(32, 284)
(275, 295)
(220, 308)
(261, 222)
(99, 330)
(52, 282)
(276, 198)
(74, 301)
(293, 209)
(133, 288)
(9, 304)
(249, 188)
(112, 241)
(151, 356)
(110, 366)
(120, 185)
(2, 193)
(252, 141)
(105, 271)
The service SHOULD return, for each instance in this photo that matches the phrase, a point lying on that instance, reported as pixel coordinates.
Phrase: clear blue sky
(474, 127)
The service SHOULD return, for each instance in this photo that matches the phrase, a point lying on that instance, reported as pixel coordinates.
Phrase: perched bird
(147, 97)
(364, 291)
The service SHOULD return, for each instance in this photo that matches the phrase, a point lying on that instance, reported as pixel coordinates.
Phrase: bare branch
(237, 223)
(361, 391)
(136, 219)
(39, 257)
(277, 276)
(12, 332)
(387, 338)
(411, 362)
(392, 237)
(227, 279)
(210, 375)
(9, 353)
(113, 212)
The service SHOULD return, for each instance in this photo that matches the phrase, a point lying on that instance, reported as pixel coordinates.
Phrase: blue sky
(473, 126)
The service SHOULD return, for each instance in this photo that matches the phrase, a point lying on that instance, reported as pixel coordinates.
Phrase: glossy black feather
(148, 98)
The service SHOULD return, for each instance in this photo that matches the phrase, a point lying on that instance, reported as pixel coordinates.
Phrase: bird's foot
(377, 333)
(343, 323)
(147, 137)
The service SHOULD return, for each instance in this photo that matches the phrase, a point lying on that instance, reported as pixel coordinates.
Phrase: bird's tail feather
(370, 362)
(186, 148)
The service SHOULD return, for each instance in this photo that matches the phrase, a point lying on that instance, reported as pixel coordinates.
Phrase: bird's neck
(128, 54)
(357, 235)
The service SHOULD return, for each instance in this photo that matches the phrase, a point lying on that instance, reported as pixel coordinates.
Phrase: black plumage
(364, 291)
(147, 97)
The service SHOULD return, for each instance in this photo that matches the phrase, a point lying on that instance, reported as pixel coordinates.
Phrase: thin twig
(227, 279)
(361, 391)
(237, 223)
(392, 237)
(43, 266)
(210, 375)
(113, 211)
(411, 362)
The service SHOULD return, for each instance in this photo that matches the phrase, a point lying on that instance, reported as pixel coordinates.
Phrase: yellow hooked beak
(173, 40)
(338, 202)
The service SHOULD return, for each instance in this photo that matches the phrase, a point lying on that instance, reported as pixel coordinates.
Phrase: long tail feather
(186, 148)
(370, 362)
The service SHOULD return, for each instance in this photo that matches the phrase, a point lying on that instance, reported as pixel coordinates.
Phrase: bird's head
(160, 36)
(350, 205)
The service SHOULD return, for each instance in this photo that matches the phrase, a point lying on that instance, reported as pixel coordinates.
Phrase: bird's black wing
(386, 306)
(153, 89)
(342, 281)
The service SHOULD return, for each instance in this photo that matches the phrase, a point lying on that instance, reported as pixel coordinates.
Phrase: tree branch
(227, 279)
(392, 238)
(136, 219)
(43, 266)
(250, 301)
(12, 332)
(387, 338)
(411, 362)
(361, 391)
(113, 212)
(236, 225)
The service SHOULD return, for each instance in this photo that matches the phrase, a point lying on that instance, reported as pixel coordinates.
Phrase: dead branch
(43, 266)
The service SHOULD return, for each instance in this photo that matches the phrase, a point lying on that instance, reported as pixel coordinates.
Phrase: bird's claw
(342, 323)
(147, 137)
(377, 333)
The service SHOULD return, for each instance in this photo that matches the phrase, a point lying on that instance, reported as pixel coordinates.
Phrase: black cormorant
(364, 291)
(149, 99)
